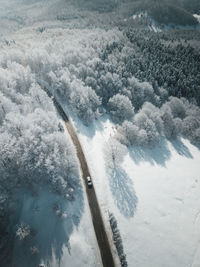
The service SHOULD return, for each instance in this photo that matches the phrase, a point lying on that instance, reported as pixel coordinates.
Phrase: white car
(89, 182)
(41, 265)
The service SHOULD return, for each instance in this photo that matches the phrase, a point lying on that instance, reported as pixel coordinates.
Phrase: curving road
(99, 227)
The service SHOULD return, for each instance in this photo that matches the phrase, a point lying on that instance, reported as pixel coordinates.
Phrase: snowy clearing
(164, 228)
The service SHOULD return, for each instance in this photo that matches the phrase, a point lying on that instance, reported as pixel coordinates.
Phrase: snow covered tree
(154, 114)
(114, 152)
(146, 124)
(177, 107)
(120, 108)
(172, 127)
(84, 101)
(140, 92)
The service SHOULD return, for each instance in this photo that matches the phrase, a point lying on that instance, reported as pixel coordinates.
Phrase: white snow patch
(140, 15)
(167, 222)
(197, 17)
(154, 27)
(165, 229)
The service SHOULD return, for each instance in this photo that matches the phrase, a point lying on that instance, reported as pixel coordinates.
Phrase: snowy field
(164, 183)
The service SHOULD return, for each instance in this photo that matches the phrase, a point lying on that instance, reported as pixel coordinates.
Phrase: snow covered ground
(166, 228)
(164, 183)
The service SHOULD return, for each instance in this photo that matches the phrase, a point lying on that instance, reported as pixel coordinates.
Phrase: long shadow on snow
(123, 191)
(52, 232)
(90, 130)
(86, 130)
(181, 148)
(160, 154)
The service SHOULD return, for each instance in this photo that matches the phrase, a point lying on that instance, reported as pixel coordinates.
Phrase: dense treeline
(141, 72)
(139, 78)
(34, 149)
(173, 66)
(170, 69)
(176, 67)
(35, 153)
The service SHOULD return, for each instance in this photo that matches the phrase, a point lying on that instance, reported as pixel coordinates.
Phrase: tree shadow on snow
(90, 130)
(181, 148)
(123, 191)
(52, 220)
(157, 155)
(87, 130)
(160, 154)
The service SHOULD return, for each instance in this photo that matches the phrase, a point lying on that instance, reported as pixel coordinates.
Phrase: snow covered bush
(23, 232)
(117, 240)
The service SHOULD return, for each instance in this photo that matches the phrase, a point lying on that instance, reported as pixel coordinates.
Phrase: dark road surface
(99, 227)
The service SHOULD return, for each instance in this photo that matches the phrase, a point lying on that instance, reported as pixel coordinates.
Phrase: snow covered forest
(35, 153)
(112, 72)
(91, 57)
(147, 97)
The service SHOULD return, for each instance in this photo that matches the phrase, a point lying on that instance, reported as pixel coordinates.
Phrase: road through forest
(102, 239)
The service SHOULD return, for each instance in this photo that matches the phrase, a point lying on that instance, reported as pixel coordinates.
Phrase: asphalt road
(99, 227)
